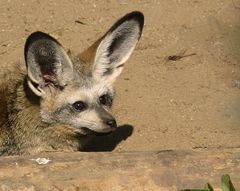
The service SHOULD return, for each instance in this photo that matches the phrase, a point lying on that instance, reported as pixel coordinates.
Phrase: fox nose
(111, 123)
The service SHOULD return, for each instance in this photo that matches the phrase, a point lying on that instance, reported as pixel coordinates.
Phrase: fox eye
(105, 99)
(79, 106)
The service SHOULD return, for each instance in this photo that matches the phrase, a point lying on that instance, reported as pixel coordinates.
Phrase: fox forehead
(88, 92)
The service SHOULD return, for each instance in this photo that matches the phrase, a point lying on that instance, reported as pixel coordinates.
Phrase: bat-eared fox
(60, 101)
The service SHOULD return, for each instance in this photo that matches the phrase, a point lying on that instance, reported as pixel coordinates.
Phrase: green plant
(226, 185)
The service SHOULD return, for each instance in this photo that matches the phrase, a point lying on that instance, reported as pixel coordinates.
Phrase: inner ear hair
(116, 46)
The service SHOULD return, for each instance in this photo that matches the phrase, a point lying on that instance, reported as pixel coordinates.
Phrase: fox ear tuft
(116, 46)
(48, 65)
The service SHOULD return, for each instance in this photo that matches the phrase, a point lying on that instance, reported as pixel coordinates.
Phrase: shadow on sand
(109, 142)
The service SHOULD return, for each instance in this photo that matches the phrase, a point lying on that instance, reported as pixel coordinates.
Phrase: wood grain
(161, 171)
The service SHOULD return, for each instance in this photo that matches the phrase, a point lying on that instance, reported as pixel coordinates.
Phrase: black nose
(111, 123)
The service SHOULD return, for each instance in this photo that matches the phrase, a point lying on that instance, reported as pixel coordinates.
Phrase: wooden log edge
(167, 170)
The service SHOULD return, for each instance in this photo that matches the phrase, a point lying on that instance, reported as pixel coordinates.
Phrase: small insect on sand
(179, 56)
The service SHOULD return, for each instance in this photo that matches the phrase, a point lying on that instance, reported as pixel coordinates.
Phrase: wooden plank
(150, 171)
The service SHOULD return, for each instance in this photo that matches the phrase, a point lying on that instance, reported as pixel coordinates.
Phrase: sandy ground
(190, 103)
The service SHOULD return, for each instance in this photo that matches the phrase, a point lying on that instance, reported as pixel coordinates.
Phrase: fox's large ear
(48, 65)
(116, 46)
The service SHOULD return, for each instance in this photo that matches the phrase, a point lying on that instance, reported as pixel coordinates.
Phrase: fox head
(71, 96)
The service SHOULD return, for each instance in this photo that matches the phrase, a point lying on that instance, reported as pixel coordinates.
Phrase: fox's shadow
(109, 142)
